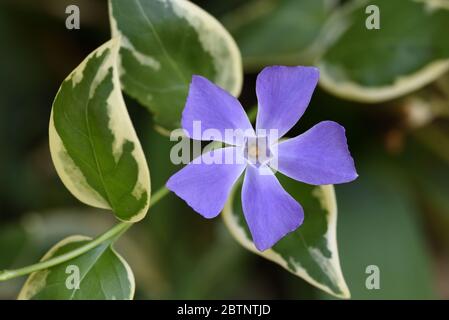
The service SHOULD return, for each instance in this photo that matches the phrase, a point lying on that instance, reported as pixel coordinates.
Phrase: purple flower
(319, 156)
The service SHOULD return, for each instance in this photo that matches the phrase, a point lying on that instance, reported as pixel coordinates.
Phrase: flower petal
(206, 182)
(215, 110)
(319, 156)
(269, 210)
(283, 94)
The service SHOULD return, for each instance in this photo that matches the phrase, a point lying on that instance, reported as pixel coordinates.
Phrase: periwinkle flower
(319, 156)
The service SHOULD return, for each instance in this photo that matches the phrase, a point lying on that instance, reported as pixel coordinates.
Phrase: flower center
(257, 151)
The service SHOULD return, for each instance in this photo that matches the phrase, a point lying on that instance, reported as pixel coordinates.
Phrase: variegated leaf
(311, 251)
(100, 274)
(165, 42)
(408, 51)
(280, 32)
(93, 143)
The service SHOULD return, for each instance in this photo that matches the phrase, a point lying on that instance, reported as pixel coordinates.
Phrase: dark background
(396, 215)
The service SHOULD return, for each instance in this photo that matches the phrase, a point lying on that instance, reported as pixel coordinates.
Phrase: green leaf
(102, 273)
(380, 225)
(409, 50)
(278, 32)
(164, 43)
(311, 251)
(93, 144)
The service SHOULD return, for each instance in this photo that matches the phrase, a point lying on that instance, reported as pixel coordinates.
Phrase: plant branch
(112, 234)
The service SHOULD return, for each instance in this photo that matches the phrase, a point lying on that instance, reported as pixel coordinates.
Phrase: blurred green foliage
(396, 216)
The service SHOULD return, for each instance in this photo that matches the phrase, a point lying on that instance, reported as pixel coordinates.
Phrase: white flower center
(257, 151)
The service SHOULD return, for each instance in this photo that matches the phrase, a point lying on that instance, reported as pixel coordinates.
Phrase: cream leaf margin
(37, 280)
(401, 86)
(121, 127)
(328, 200)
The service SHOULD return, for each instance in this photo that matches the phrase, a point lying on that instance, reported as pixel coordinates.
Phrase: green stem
(252, 114)
(111, 234)
(158, 195)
